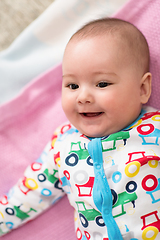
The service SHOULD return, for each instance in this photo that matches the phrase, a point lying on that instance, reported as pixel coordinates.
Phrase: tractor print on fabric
(77, 153)
(128, 196)
(87, 214)
(153, 227)
(140, 159)
(109, 142)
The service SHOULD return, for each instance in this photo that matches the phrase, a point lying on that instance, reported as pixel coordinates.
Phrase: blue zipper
(102, 195)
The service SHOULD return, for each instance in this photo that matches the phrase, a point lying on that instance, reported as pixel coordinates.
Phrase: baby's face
(101, 88)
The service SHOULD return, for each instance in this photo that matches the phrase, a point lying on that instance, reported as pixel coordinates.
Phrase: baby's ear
(145, 90)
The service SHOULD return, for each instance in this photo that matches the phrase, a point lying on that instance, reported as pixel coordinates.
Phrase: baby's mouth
(91, 114)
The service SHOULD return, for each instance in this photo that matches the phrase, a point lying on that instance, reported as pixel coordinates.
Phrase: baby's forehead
(118, 39)
(128, 38)
(103, 43)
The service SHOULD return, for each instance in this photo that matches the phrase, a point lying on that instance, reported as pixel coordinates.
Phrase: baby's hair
(127, 32)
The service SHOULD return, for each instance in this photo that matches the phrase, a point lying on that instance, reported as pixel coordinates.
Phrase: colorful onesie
(112, 182)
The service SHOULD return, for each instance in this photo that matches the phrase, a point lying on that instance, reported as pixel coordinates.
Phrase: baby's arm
(33, 194)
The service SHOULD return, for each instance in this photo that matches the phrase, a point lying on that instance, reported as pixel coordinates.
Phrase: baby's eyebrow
(67, 75)
(105, 73)
(70, 75)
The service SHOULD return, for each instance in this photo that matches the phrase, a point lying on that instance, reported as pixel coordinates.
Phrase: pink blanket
(28, 121)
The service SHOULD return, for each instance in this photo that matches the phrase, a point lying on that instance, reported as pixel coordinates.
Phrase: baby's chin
(94, 134)
(97, 131)
(101, 133)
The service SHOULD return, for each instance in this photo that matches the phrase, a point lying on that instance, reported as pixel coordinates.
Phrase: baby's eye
(102, 84)
(73, 86)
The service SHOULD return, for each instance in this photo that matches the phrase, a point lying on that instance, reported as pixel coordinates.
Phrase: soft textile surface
(27, 122)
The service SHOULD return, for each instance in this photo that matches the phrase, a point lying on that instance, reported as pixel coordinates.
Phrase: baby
(106, 159)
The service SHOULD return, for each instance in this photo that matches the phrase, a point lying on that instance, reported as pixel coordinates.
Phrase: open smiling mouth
(91, 114)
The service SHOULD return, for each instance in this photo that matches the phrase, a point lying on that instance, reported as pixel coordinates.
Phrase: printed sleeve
(33, 194)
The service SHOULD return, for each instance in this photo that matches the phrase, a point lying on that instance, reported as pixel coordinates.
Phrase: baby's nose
(85, 96)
